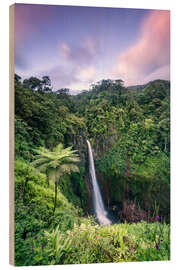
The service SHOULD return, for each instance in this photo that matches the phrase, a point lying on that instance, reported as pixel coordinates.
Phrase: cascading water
(98, 204)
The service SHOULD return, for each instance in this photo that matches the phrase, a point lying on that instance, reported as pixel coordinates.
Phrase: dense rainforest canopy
(129, 130)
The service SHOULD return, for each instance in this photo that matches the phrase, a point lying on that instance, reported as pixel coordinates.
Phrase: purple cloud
(82, 55)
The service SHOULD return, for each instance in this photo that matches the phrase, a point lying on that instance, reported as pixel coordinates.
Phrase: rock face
(105, 188)
(100, 146)
(80, 144)
(120, 191)
(89, 200)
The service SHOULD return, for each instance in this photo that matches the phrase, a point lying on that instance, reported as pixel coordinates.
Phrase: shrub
(88, 243)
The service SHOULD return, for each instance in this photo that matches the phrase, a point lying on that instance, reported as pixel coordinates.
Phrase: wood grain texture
(11, 135)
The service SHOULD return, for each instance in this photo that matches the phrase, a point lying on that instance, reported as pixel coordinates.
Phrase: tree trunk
(128, 172)
(127, 189)
(123, 189)
(48, 182)
(55, 198)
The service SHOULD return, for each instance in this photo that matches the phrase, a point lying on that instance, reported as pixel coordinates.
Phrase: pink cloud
(150, 53)
(65, 50)
(162, 73)
(86, 74)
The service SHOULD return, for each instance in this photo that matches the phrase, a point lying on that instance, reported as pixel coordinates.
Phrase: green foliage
(79, 188)
(116, 243)
(56, 164)
(45, 112)
(129, 129)
(23, 141)
(34, 203)
(135, 154)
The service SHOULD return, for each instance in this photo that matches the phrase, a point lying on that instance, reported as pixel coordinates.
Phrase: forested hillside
(129, 130)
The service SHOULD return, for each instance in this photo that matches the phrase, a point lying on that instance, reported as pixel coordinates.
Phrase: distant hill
(137, 87)
(142, 86)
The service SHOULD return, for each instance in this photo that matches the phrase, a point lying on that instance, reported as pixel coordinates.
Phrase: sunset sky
(78, 46)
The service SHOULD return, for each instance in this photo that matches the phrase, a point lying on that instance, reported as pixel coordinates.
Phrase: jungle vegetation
(129, 130)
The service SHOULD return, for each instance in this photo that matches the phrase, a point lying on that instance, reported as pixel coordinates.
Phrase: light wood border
(11, 135)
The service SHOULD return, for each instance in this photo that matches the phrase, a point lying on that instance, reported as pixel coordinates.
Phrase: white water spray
(98, 204)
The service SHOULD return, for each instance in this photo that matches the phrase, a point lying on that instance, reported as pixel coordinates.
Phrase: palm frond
(67, 169)
(41, 150)
(43, 168)
(58, 148)
(56, 163)
(74, 168)
(71, 159)
(39, 161)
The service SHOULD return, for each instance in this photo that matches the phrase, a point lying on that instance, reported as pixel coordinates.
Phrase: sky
(79, 46)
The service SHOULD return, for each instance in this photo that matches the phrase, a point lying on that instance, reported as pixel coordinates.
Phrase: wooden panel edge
(11, 134)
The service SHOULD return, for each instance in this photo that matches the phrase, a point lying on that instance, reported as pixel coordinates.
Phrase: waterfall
(98, 204)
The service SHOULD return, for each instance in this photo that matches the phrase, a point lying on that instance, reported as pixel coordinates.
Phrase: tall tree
(56, 164)
(46, 84)
(33, 83)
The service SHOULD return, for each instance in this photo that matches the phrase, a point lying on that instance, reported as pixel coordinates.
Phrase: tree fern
(56, 163)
